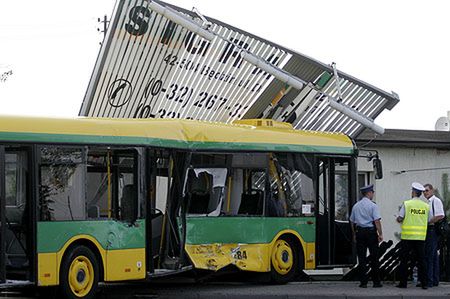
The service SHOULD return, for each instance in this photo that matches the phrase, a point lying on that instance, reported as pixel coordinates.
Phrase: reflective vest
(414, 225)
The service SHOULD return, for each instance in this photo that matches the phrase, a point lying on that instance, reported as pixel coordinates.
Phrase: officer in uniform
(414, 216)
(366, 228)
(432, 240)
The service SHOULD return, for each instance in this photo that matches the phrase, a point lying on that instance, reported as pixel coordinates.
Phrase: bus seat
(93, 212)
(127, 203)
(200, 193)
(199, 203)
(251, 202)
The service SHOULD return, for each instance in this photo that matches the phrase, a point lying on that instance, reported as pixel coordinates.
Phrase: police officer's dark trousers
(431, 256)
(367, 238)
(418, 248)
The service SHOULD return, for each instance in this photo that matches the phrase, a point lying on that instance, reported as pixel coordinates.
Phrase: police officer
(366, 229)
(432, 239)
(414, 216)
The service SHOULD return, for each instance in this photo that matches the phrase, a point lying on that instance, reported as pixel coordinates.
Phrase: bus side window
(97, 183)
(293, 183)
(111, 184)
(200, 191)
(276, 206)
(252, 198)
(248, 185)
(206, 190)
(206, 184)
(61, 183)
(124, 181)
(161, 182)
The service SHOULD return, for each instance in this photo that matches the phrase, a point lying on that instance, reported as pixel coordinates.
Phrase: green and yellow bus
(90, 200)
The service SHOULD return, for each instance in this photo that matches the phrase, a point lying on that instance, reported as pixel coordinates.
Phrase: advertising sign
(151, 67)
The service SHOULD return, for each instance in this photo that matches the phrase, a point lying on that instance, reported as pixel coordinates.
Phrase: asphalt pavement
(292, 290)
(173, 288)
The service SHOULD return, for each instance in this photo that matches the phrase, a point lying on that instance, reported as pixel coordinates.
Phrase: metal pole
(2, 217)
(365, 121)
(180, 19)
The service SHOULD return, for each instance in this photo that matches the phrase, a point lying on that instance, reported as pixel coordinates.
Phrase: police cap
(417, 187)
(367, 188)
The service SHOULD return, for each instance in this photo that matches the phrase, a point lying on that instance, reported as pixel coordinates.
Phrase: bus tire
(79, 274)
(283, 261)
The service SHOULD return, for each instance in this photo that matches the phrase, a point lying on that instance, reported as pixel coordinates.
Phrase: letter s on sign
(139, 17)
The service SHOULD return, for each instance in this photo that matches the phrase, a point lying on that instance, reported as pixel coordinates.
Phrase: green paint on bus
(249, 230)
(168, 143)
(112, 235)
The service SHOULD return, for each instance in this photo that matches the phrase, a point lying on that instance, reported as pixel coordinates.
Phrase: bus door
(158, 180)
(336, 194)
(166, 223)
(17, 223)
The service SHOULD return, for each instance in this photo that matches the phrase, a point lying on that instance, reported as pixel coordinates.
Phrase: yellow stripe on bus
(119, 264)
(249, 257)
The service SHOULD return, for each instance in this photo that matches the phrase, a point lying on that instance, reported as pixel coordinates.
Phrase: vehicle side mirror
(378, 168)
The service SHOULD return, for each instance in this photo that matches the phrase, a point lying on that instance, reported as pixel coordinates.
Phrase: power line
(420, 169)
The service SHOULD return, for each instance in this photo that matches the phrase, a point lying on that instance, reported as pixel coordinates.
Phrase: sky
(401, 46)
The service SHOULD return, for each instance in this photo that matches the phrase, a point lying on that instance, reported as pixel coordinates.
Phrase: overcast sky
(400, 46)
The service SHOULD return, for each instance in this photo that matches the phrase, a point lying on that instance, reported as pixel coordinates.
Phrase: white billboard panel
(151, 67)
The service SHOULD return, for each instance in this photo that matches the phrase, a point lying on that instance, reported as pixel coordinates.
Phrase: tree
(5, 74)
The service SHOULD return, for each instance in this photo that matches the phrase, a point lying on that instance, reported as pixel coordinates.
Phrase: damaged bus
(90, 200)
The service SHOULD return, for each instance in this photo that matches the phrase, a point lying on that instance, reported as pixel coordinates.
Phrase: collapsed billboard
(156, 68)
(153, 66)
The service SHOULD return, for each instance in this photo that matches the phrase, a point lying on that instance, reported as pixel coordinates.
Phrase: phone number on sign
(182, 95)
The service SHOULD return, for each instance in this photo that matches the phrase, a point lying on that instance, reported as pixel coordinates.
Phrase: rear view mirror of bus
(378, 168)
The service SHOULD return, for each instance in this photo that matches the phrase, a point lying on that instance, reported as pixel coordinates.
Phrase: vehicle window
(61, 183)
(206, 190)
(248, 184)
(292, 184)
(341, 189)
(16, 165)
(111, 184)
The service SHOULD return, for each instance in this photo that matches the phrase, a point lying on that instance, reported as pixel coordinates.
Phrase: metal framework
(162, 61)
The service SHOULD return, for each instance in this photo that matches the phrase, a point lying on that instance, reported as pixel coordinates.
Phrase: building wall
(418, 164)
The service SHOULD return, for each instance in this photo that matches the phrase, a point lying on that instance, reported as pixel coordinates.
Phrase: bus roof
(172, 133)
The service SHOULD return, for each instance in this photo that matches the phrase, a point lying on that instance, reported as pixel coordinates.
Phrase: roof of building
(407, 138)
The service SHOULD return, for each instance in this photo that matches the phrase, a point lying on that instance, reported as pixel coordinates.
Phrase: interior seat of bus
(127, 202)
(200, 192)
(252, 202)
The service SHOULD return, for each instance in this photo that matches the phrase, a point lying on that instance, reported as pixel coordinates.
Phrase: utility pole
(105, 22)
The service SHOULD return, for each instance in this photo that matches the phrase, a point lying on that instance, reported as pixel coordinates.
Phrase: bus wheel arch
(93, 247)
(286, 258)
(81, 270)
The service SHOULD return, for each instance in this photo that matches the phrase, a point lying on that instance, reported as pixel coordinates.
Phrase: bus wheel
(284, 261)
(79, 274)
